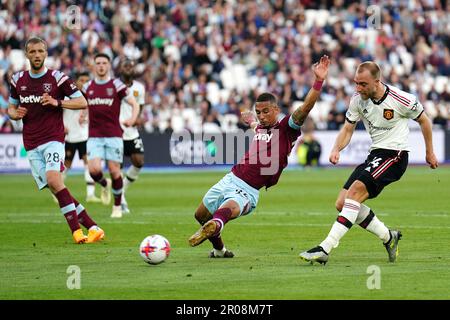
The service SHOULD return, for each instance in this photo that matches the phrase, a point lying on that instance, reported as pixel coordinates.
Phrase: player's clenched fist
(48, 100)
(334, 157)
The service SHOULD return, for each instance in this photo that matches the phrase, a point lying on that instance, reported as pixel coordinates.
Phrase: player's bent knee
(357, 191)
(54, 181)
(339, 205)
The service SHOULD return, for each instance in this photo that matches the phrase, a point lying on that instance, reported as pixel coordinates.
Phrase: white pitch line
(252, 224)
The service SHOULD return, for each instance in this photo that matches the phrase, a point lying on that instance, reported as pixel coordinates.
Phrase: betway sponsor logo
(263, 137)
(100, 101)
(30, 99)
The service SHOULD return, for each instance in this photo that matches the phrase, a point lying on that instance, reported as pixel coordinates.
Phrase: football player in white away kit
(132, 142)
(77, 132)
(385, 111)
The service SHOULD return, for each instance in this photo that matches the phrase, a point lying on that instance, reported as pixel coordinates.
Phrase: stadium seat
(228, 122)
(18, 60)
(440, 83)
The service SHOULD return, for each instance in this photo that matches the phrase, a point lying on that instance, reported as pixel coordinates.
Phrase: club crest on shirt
(135, 93)
(109, 91)
(388, 114)
(47, 87)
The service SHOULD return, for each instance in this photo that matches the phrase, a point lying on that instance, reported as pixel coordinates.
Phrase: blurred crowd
(203, 61)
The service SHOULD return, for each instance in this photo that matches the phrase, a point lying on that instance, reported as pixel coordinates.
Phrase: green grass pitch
(37, 248)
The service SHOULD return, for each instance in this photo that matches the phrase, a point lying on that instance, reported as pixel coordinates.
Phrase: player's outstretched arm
(425, 126)
(74, 103)
(16, 112)
(342, 140)
(320, 71)
(135, 112)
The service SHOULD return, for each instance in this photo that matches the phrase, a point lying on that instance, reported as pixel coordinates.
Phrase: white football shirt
(76, 132)
(386, 120)
(137, 90)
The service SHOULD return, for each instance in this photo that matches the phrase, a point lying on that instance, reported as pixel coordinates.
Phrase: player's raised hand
(248, 117)
(82, 120)
(128, 123)
(48, 100)
(321, 68)
(432, 160)
(334, 156)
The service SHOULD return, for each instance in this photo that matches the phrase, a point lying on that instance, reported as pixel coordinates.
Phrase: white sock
(220, 253)
(375, 226)
(338, 230)
(131, 175)
(90, 183)
(378, 228)
(362, 214)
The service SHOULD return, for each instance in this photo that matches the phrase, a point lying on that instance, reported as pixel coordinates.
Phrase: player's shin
(221, 216)
(98, 177)
(117, 185)
(343, 223)
(68, 209)
(90, 183)
(369, 221)
(131, 176)
(83, 216)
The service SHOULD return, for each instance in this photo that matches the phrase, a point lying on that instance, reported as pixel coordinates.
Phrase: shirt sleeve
(69, 89)
(413, 110)
(141, 100)
(13, 96)
(352, 115)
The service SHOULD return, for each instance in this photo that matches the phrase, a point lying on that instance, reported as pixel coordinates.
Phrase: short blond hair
(34, 40)
(372, 67)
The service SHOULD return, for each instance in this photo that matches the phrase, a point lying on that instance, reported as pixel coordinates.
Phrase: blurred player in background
(385, 111)
(133, 146)
(104, 96)
(37, 97)
(77, 131)
(238, 192)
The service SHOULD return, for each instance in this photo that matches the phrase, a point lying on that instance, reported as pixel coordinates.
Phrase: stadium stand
(202, 61)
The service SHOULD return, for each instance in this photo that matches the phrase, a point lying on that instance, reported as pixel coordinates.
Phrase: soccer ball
(154, 249)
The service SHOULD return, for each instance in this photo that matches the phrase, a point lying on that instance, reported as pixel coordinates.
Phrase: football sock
(131, 175)
(117, 185)
(83, 216)
(90, 183)
(68, 209)
(369, 221)
(217, 242)
(219, 252)
(343, 223)
(222, 216)
(99, 178)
